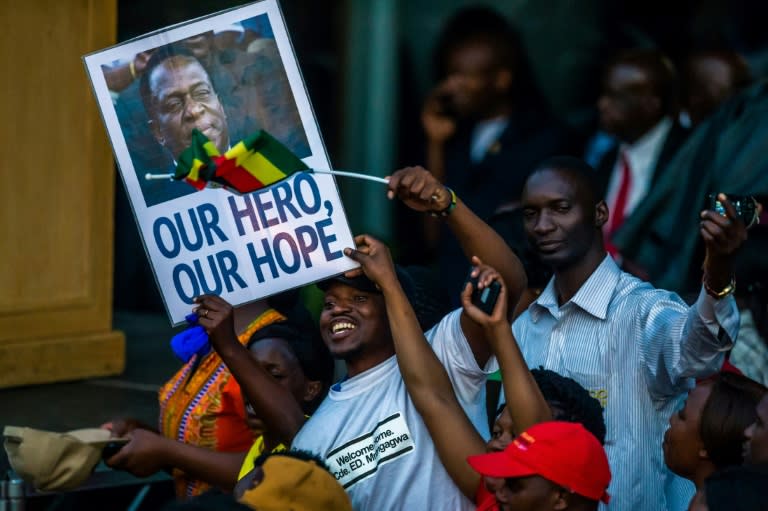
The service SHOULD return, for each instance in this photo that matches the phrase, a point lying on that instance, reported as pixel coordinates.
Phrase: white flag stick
(352, 174)
(149, 176)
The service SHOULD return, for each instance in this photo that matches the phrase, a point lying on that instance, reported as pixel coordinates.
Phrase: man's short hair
(586, 176)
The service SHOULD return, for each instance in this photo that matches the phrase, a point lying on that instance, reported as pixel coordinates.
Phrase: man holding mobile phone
(636, 348)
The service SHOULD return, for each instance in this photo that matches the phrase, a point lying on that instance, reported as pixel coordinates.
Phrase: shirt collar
(645, 149)
(591, 296)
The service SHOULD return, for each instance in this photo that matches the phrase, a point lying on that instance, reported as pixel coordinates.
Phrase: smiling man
(178, 95)
(367, 429)
(636, 348)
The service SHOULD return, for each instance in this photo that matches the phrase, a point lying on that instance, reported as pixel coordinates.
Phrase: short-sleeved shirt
(369, 433)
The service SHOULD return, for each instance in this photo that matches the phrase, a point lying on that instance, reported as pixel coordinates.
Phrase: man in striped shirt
(635, 348)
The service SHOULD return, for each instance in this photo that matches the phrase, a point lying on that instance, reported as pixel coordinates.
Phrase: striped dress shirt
(637, 349)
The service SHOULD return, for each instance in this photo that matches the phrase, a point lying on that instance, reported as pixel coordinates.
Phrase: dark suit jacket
(725, 153)
(675, 138)
(530, 137)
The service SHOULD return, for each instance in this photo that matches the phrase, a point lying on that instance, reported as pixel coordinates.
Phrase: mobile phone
(745, 206)
(484, 299)
(111, 449)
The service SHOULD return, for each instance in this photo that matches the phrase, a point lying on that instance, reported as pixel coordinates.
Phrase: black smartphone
(484, 299)
(745, 206)
(111, 449)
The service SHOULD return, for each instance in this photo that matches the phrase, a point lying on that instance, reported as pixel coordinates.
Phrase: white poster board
(153, 90)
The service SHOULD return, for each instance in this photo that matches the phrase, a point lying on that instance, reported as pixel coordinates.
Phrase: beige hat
(298, 485)
(55, 461)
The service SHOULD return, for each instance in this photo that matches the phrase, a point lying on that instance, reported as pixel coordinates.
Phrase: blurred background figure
(638, 105)
(709, 78)
(486, 123)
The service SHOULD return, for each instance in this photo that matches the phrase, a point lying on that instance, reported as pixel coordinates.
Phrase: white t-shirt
(375, 442)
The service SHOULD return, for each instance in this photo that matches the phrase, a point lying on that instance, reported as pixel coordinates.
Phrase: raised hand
(723, 235)
(485, 276)
(419, 190)
(375, 260)
(216, 316)
(439, 125)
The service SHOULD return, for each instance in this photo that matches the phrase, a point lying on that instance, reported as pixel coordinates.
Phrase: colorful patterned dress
(202, 405)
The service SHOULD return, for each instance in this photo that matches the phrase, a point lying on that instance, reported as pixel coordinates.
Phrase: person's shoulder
(642, 295)
(449, 324)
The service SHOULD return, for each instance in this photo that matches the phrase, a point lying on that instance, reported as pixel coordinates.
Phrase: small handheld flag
(252, 164)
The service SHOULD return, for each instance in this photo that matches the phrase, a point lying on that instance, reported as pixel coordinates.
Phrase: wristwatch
(730, 288)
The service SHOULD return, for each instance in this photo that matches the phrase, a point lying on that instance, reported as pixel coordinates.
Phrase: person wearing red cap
(551, 465)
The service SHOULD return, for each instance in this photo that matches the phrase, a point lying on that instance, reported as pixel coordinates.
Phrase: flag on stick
(253, 163)
(250, 165)
(256, 162)
(194, 166)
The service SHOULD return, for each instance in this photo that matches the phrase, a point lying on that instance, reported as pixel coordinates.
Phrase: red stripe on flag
(237, 177)
(199, 184)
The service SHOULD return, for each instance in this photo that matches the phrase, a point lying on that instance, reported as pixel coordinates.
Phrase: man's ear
(703, 454)
(312, 389)
(601, 214)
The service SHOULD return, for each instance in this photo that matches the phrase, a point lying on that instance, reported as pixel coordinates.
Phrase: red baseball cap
(562, 452)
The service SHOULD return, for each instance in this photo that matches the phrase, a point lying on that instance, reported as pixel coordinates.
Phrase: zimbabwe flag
(251, 164)
(194, 164)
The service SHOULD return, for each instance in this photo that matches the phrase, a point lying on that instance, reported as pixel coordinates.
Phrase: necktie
(616, 212)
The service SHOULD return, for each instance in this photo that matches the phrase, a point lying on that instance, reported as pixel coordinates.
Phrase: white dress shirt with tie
(642, 157)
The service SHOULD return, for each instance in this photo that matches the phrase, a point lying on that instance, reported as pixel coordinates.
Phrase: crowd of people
(582, 386)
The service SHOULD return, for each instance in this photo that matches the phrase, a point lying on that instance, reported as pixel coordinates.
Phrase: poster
(228, 75)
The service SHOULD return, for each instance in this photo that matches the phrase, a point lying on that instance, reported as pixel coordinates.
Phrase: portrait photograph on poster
(189, 97)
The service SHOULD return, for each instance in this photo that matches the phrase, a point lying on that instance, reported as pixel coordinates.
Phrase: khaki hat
(55, 461)
(298, 485)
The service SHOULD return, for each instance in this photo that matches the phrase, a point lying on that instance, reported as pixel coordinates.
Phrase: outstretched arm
(425, 377)
(147, 452)
(711, 324)
(421, 191)
(275, 404)
(525, 401)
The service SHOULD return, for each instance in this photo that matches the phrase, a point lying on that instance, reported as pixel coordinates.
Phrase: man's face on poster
(183, 98)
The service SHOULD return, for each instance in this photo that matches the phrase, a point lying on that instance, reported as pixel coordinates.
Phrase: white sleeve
(468, 379)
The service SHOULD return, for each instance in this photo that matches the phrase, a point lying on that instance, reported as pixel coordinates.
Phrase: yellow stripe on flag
(211, 149)
(194, 172)
(238, 152)
(262, 169)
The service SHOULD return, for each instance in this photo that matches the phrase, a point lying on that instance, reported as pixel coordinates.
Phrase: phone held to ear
(484, 299)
